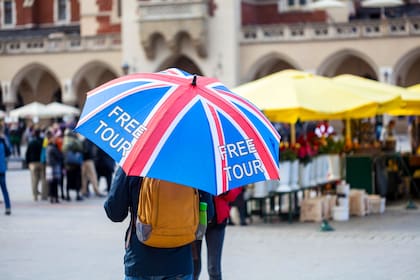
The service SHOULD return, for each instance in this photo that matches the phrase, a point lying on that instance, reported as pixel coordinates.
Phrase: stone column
(68, 92)
(9, 97)
(386, 75)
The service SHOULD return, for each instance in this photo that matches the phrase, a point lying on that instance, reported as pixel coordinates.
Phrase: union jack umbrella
(182, 128)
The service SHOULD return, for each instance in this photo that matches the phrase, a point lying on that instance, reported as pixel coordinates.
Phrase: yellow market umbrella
(290, 95)
(410, 102)
(387, 96)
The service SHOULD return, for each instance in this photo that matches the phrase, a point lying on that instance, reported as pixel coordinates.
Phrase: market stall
(361, 161)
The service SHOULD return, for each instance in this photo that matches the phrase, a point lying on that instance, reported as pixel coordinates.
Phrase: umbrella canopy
(34, 109)
(325, 4)
(410, 102)
(415, 88)
(186, 129)
(56, 109)
(289, 95)
(381, 3)
(388, 97)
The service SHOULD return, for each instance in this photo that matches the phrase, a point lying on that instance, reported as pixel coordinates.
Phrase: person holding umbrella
(180, 128)
(142, 261)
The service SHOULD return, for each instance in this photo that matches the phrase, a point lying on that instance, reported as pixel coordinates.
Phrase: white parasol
(34, 109)
(56, 109)
(325, 4)
(382, 4)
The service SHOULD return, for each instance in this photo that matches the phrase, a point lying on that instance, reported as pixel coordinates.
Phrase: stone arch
(151, 44)
(35, 82)
(270, 63)
(89, 76)
(182, 62)
(181, 40)
(407, 68)
(349, 61)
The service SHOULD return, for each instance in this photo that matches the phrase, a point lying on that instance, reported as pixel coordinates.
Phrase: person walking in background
(72, 151)
(88, 169)
(58, 133)
(240, 204)
(36, 167)
(54, 160)
(389, 137)
(105, 166)
(15, 136)
(141, 261)
(215, 235)
(4, 153)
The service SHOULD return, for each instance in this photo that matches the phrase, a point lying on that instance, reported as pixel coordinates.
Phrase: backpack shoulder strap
(132, 214)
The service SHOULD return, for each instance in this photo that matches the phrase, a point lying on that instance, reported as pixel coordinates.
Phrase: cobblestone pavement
(74, 240)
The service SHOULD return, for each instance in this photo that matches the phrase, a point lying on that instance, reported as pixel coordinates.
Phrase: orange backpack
(167, 214)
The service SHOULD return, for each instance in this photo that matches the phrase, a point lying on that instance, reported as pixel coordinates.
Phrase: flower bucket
(305, 174)
(322, 169)
(260, 189)
(314, 166)
(272, 185)
(285, 172)
(334, 167)
(294, 175)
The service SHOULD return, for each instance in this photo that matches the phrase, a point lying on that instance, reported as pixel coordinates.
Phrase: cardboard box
(357, 202)
(376, 204)
(311, 209)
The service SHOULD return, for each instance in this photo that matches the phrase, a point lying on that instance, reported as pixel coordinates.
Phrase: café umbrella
(386, 96)
(183, 128)
(292, 95)
(410, 104)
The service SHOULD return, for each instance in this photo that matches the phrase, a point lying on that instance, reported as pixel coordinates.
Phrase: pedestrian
(215, 235)
(58, 133)
(4, 153)
(389, 136)
(72, 152)
(240, 204)
(142, 261)
(105, 166)
(88, 169)
(15, 136)
(36, 167)
(54, 160)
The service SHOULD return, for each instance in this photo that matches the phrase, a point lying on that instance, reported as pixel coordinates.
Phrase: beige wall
(222, 59)
(88, 13)
(314, 56)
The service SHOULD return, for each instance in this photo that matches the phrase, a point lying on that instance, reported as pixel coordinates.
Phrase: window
(292, 5)
(62, 11)
(8, 15)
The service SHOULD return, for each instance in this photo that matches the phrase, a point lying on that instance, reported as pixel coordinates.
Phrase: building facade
(57, 50)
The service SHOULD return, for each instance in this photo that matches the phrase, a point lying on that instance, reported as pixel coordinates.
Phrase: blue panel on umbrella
(106, 95)
(110, 129)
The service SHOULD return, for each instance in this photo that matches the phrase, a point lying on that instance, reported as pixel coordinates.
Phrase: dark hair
(49, 134)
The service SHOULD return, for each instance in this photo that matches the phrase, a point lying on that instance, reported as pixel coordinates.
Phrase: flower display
(288, 152)
(306, 148)
(329, 145)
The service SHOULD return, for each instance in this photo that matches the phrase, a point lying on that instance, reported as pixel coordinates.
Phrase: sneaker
(8, 211)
